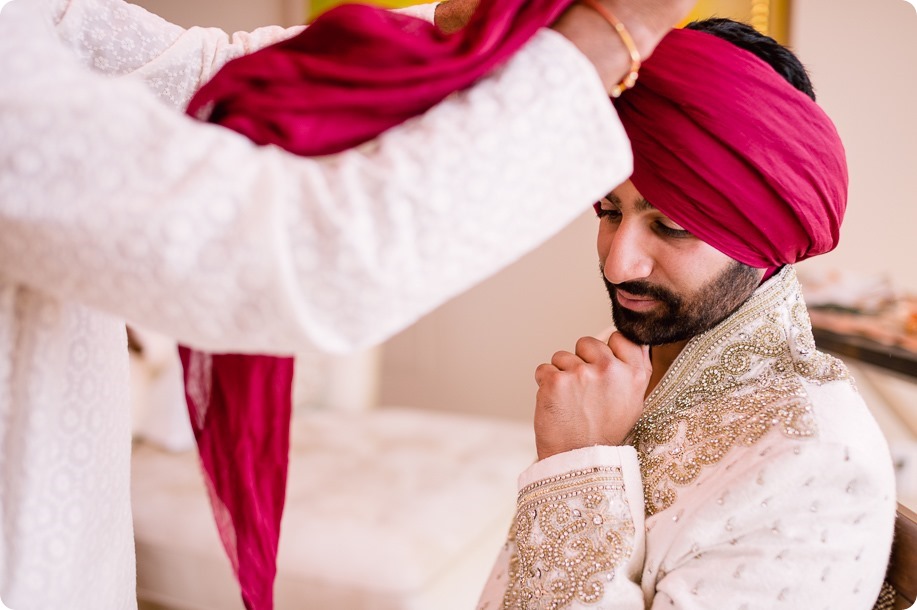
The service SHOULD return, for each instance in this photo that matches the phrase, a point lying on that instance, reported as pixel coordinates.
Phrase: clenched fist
(591, 397)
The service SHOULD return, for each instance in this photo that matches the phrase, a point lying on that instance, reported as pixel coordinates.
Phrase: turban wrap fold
(355, 72)
(727, 148)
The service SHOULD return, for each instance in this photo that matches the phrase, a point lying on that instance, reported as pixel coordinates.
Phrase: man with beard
(707, 455)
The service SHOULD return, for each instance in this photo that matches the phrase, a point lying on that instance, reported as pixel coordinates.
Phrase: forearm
(489, 177)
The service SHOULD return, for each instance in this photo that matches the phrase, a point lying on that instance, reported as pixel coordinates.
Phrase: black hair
(766, 48)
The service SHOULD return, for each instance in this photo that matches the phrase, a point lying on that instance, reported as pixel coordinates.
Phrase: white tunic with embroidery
(114, 207)
(756, 479)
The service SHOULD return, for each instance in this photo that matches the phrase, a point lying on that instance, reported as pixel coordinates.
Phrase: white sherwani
(115, 207)
(756, 479)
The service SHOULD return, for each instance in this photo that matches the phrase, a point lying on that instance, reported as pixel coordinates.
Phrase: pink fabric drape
(240, 411)
(727, 148)
(355, 72)
(358, 70)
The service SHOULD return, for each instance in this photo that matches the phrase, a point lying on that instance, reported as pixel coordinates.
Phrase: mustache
(640, 288)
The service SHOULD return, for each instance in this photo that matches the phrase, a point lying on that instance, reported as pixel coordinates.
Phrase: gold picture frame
(314, 8)
(770, 17)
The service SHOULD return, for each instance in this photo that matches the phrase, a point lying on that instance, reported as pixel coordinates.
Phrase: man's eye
(664, 229)
(604, 212)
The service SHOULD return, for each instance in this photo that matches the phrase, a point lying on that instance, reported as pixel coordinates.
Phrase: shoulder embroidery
(568, 540)
(681, 443)
(815, 366)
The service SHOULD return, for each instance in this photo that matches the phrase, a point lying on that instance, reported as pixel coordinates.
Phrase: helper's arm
(114, 200)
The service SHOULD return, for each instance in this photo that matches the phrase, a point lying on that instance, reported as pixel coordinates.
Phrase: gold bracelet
(630, 79)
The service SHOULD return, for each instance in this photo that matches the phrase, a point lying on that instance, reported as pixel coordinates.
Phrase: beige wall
(477, 353)
(864, 65)
(229, 15)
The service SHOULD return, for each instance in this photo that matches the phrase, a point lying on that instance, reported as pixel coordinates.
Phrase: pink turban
(728, 149)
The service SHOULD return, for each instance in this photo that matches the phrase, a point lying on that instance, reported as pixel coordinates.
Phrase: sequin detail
(567, 540)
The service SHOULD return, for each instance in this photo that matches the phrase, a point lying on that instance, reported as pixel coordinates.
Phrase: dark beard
(679, 318)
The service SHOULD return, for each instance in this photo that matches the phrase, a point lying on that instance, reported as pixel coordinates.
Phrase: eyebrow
(641, 205)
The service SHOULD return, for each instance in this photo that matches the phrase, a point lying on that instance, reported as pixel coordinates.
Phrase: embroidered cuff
(572, 531)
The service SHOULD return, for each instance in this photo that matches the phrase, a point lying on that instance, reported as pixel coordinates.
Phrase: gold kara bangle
(630, 79)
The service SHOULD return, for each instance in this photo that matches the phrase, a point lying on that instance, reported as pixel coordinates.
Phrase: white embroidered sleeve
(118, 38)
(577, 538)
(113, 200)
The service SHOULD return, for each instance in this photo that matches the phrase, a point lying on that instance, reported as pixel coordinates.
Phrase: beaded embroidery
(567, 540)
(730, 387)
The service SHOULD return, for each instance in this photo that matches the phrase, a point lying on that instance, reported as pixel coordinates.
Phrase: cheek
(695, 267)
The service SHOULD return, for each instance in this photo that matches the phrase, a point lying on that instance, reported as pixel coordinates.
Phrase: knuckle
(541, 371)
(617, 340)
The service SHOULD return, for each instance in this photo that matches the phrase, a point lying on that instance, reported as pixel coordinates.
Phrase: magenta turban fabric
(728, 149)
(355, 72)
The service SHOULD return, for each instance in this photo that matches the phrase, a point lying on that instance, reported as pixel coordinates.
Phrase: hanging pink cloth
(355, 72)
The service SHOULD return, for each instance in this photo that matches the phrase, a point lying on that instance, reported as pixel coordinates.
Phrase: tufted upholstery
(391, 509)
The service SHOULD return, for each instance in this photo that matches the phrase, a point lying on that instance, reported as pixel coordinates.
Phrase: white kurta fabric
(764, 481)
(114, 206)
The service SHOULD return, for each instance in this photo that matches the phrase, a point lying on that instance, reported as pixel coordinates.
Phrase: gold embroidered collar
(730, 386)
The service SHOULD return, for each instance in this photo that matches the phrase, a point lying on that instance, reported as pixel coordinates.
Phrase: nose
(625, 252)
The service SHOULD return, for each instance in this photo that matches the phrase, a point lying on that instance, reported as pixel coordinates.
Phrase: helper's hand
(452, 15)
(592, 397)
(648, 21)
